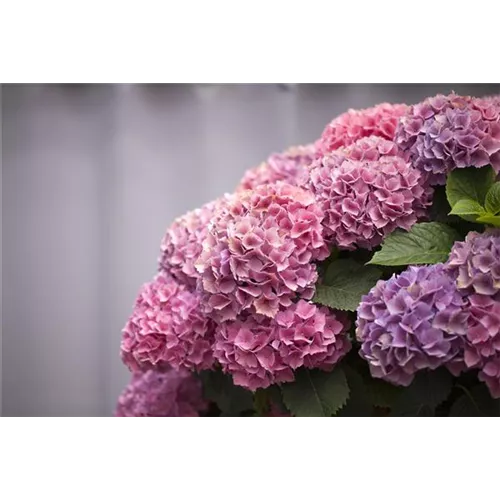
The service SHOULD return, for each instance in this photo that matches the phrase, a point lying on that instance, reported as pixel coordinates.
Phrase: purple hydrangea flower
(412, 322)
(490, 375)
(169, 393)
(447, 132)
(475, 263)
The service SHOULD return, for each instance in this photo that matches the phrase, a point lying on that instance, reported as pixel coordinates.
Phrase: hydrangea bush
(358, 275)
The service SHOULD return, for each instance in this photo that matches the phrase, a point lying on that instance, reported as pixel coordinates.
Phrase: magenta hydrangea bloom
(289, 166)
(447, 132)
(380, 120)
(412, 322)
(182, 244)
(167, 326)
(490, 375)
(368, 149)
(259, 252)
(475, 262)
(259, 351)
(169, 393)
(364, 201)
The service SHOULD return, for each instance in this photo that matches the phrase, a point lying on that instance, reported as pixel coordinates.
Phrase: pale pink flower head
(447, 132)
(260, 250)
(364, 201)
(289, 166)
(259, 351)
(169, 393)
(167, 326)
(380, 120)
(182, 244)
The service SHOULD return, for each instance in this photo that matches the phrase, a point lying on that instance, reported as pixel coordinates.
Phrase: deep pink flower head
(475, 262)
(447, 132)
(364, 201)
(289, 166)
(367, 149)
(381, 120)
(182, 244)
(490, 374)
(169, 393)
(411, 322)
(259, 351)
(259, 252)
(167, 326)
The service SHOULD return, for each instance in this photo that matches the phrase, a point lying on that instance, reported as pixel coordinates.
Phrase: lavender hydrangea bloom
(259, 252)
(475, 263)
(412, 322)
(447, 132)
(169, 393)
(289, 166)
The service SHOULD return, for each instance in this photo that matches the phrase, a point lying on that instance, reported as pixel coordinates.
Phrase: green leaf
(220, 389)
(469, 183)
(359, 403)
(384, 394)
(493, 220)
(425, 243)
(492, 202)
(475, 402)
(467, 207)
(346, 281)
(428, 389)
(315, 393)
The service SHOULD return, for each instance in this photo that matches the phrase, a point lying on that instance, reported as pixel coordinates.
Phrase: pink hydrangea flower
(367, 149)
(169, 393)
(380, 120)
(259, 252)
(167, 326)
(447, 132)
(182, 244)
(259, 351)
(289, 166)
(364, 201)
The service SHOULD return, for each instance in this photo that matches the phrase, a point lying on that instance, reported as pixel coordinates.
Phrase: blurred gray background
(92, 176)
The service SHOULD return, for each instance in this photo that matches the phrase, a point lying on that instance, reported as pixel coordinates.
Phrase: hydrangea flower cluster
(167, 326)
(237, 277)
(447, 132)
(259, 252)
(168, 393)
(260, 351)
(475, 265)
(364, 201)
(411, 322)
(381, 120)
(289, 166)
(182, 244)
